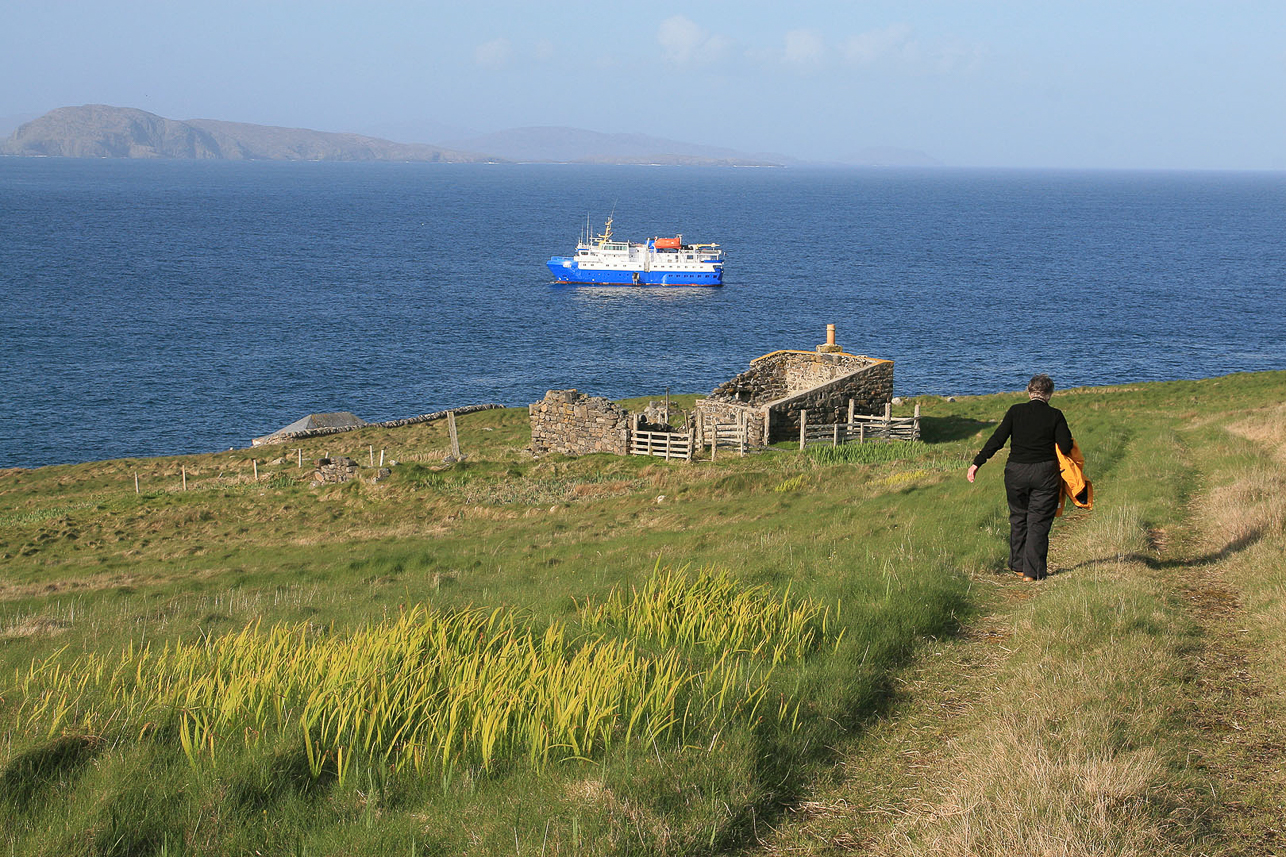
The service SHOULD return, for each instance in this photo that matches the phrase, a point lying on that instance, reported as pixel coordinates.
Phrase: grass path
(1131, 705)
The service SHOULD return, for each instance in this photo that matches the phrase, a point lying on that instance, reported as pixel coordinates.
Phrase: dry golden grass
(1266, 427)
(34, 626)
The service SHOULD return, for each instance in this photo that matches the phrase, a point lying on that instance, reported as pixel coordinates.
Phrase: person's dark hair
(1041, 386)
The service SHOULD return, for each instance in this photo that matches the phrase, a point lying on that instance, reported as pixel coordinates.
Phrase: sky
(1126, 84)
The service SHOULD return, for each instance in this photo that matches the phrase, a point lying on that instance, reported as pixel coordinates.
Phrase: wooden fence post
(255, 462)
(852, 408)
(185, 477)
(299, 454)
(803, 429)
(861, 433)
(835, 441)
(741, 432)
(915, 426)
(455, 437)
(135, 481)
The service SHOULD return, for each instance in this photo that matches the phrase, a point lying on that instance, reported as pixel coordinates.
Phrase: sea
(152, 308)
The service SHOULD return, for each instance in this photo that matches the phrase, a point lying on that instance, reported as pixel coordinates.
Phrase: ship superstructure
(604, 260)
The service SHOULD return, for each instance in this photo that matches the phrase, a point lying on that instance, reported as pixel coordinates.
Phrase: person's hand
(973, 471)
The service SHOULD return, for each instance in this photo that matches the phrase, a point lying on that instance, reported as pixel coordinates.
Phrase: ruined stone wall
(807, 371)
(572, 423)
(779, 385)
(869, 388)
(785, 373)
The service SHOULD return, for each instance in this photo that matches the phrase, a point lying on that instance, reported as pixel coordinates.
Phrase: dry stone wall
(783, 374)
(570, 422)
(868, 388)
(778, 386)
(344, 469)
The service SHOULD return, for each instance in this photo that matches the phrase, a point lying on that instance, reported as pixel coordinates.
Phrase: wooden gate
(726, 434)
(662, 444)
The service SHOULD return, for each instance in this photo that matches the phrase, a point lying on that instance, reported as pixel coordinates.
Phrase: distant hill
(574, 145)
(100, 131)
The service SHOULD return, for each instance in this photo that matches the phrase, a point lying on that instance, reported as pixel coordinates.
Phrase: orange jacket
(1075, 486)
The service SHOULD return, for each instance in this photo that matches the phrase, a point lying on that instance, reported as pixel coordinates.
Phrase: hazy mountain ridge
(101, 131)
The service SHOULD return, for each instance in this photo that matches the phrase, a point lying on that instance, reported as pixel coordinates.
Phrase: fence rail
(662, 444)
(860, 428)
(718, 434)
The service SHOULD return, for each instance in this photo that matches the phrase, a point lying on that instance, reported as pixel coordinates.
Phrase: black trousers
(1032, 491)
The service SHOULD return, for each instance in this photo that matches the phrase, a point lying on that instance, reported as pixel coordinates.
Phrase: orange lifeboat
(667, 243)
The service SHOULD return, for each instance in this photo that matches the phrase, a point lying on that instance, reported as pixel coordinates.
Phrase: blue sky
(1124, 84)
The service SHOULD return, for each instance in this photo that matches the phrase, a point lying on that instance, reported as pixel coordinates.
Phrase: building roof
(336, 419)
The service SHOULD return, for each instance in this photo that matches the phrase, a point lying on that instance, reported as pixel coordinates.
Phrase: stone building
(768, 397)
(760, 406)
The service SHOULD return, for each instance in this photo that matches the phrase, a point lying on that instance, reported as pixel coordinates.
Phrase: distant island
(103, 131)
(100, 131)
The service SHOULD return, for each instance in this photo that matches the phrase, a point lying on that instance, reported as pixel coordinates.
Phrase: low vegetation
(782, 653)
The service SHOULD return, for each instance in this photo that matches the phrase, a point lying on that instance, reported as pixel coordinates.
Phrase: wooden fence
(723, 435)
(662, 444)
(860, 428)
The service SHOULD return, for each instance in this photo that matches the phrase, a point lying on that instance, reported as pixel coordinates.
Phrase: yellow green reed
(712, 611)
(444, 692)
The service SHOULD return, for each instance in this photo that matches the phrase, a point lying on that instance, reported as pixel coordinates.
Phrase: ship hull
(567, 272)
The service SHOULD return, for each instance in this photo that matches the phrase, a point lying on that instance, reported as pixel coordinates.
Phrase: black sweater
(1034, 427)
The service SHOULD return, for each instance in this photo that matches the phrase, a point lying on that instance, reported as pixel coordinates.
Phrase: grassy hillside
(782, 652)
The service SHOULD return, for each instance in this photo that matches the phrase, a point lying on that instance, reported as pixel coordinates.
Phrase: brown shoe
(1030, 579)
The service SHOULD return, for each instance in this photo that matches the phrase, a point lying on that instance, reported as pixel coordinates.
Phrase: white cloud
(686, 43)
(874, 45)
(895, 44)
(494, 54)
(544, 50)
(804, 48)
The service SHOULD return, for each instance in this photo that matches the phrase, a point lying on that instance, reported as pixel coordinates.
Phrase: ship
(603, 260)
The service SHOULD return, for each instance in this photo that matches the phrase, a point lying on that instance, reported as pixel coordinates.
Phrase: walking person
(1032, 481)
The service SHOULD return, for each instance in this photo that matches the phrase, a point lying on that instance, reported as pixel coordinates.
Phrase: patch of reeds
(444, 692)
(711, 611)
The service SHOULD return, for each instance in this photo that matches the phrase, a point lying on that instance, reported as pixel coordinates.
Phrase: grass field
(783, 653)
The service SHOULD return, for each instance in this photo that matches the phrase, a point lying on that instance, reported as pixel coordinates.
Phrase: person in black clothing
(1032, 480)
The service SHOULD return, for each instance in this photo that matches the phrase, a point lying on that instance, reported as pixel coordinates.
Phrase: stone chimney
(830, 347)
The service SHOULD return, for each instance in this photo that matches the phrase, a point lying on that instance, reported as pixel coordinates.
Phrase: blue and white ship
(603, 260)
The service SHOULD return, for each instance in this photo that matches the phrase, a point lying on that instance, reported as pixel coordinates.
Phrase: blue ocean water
(151, 308)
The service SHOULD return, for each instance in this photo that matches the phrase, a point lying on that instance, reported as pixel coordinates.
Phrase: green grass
(246, 665)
